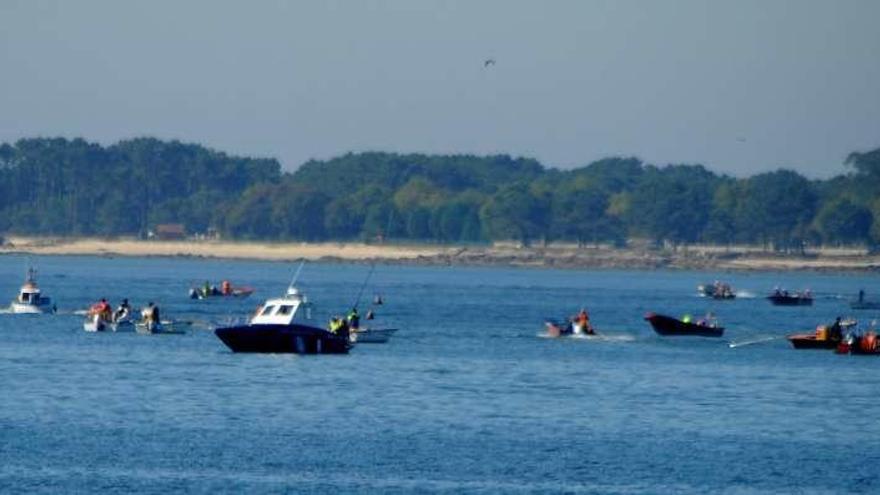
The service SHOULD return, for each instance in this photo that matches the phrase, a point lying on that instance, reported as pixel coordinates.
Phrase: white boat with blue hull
(284, 325)
(30, 299)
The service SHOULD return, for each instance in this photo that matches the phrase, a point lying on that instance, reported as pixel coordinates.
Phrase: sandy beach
(559, 256)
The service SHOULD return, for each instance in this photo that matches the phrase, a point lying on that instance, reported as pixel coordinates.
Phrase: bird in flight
(488, 62)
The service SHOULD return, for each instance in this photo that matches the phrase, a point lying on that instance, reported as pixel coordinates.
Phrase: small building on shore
(169, 232)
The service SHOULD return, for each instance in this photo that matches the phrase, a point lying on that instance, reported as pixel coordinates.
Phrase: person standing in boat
(150, 314)
(835, 331)
(101, 309)
(583, 320)
(336, 324)
(122, 311)
(226, 287)
(354, 319)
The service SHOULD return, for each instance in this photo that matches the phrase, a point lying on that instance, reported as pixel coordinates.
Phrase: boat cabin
(292, 308)
(30, 293)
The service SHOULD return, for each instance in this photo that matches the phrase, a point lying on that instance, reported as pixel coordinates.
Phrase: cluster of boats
(843, 336)
(101, 318)
(286, 324)
(283, 324)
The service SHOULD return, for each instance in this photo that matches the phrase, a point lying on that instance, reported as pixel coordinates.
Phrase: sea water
(466, 397)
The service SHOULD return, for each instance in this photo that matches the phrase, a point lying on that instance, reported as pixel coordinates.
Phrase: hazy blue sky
(741, 86)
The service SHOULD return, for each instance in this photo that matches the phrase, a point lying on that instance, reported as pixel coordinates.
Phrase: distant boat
(669, 326)
(566, 328)
(30, 299)
(284, 325)
(862, 303)
(226, 290)
(784, 298)
(716, 290)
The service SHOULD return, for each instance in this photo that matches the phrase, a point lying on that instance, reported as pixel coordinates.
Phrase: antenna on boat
(364, 286)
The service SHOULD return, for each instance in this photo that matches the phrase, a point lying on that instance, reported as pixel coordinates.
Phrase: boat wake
(745, 294)
(604, 337)
(743, 343)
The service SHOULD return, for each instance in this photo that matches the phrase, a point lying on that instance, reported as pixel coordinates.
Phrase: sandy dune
(560, 256)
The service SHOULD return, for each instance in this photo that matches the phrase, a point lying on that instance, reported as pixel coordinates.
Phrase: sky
(741, 86)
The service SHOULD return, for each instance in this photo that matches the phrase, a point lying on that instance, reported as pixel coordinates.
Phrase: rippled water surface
(465, 398)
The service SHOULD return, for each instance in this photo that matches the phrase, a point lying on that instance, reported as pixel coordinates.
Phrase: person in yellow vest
(335, 324)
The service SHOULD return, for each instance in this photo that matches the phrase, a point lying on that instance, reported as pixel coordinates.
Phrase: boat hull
(868, 345)
(236, 293)
(95, 326)
(271, 338)
(864, 305)
(809, 341)
(30, 309)
(782, 300)
(669, 326)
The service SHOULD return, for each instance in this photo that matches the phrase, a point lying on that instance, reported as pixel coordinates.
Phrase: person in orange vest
(101, 308)
(583, 320)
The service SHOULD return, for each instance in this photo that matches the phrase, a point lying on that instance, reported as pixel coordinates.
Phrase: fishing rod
(363, 286)
(296, 274)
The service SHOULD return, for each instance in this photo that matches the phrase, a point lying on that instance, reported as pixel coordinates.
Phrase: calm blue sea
(465, 398)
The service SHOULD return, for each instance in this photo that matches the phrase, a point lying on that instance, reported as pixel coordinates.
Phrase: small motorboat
(825, 336)
(785, 298)
(716, 290)
(860, 344)
(30, 299)
(811, 341)
(567, 328)
(669, 326)
(371, 335)
(285, 325)
(164, 327)
(226, 290)
(862, 303)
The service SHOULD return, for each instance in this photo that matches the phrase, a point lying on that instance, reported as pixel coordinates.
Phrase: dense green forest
(73, 187)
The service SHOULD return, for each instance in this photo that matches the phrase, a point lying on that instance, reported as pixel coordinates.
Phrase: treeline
(72, 187)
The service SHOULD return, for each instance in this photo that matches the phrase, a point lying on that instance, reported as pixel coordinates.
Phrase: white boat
(96, 323)
(163, 327)
(30, 300)
(371, 335)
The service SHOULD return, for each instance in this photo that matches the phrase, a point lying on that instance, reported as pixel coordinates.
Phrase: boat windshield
(285, 309)
(267, 311)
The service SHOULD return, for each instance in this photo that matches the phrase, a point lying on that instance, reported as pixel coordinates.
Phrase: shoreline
(552, 256)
